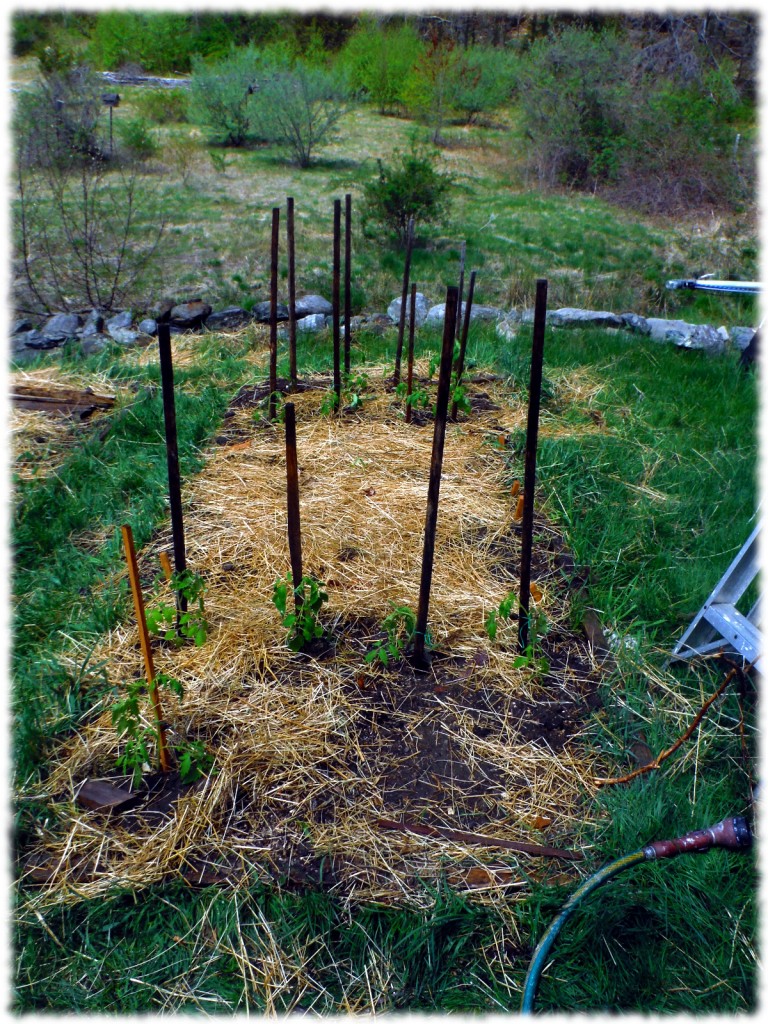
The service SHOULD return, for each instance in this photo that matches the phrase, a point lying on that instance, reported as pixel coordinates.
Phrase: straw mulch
(312, 750)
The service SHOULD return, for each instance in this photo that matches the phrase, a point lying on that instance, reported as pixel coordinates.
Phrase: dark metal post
(172, 453)
(335, 300)
(292, 294)
(403, 299)
(273, 313)
(462, 260)
(411, 330)
(443, 390)
(459, 368)
(347, 278)
(531, 439)
(294, 523)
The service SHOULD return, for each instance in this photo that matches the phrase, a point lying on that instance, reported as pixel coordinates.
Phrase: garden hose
(732, 833)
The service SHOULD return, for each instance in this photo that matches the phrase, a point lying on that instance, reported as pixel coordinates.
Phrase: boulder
(34, 340)
(307, 305)
(313, 322)
(60, 328)
(119, 321)
(422, 308)
(262, 312)
(436, 314)
(685, 335)
(636, 323)
(508, 327)
(230, 317)
(149, 326)
(189, 315)
(741, 336)
(19, 326)
(92, 343)
(569, 317)
(123, 336)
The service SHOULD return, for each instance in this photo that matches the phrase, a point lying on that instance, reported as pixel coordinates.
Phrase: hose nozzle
(732, 833)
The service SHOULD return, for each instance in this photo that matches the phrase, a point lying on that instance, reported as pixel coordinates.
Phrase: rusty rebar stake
(172, 455)
(336, 302)
(294, 520)
(459, 367)
(462, 260)
(403, 299)
(291, 240)
(347, 278)
(420, 660)
(411, 332)
(273, 314)
(531, 441)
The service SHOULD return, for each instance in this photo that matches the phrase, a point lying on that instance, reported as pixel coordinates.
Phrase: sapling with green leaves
(532, 657)
(399, 626)
(302, 623)
(173, 625)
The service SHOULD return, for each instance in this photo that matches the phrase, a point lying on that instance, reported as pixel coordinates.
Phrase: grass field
(647, 463)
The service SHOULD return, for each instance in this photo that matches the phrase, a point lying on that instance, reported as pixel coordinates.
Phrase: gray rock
(309, 304)
(231, 316)
(92, 328)
(313, 322)
(436, 314)
(685, 335)
(422, 308)
(568, 317)
(91, 343)
(149, 326)
(635, 322)
(36, 340)
(123, 336)
(120, 320)
(189, 315)
(262, 312)
(19, 326)
(741, 336)
(61, 327)
(507, 328)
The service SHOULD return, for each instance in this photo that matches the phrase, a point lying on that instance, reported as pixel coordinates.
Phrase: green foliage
(127, 720)
(482, 80)
(160, 42)
(174, 625)
(137, 139)
(399, 626)
(427, 90)
(299, 107)
(163, 106)
(194, 761)
(419, 398)
(302, 623)
(221, 96)
(408, 187)
(504, 611)
(377, 59)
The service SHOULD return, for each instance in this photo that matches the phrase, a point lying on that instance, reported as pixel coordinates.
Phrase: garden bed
(319, 754)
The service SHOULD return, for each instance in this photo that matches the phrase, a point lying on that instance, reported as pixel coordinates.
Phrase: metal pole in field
(462, 259)
(347, 278)
(294, 522)
(436, 467)
(411, 330)
(459, 369)
(273, 313)
(172, 453)
(529, 479)
(403, 298)
(292, 294)
(146, 648)
(335, 300)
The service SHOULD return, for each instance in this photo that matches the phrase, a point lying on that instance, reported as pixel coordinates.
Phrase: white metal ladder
(720, 625)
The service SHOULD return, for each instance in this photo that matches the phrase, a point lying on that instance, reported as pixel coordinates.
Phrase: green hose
(592, 883)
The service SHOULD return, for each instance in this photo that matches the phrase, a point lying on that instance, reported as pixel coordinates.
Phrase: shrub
(163, 106)
(299, 107)
(410, 187)
(221, 96)
(427, 88)
(136, 138)
(482, 80)
(377, 60)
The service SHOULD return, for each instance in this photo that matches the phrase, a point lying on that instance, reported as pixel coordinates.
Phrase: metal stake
(347, 278)
(335, 300)
(294, 522)
(420, 660)
(459, 368)
(529, 479)
(403, 298)
(462, 259)
(273, 314)
(411, 330)
(172, 454)
(292, 295)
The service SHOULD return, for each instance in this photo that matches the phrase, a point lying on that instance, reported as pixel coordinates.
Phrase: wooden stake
(165, 565)
(146, 649)
(411, 330)
(172, 454)
(336, 301)
(347, 278)
(403, 299)
(459, 368)
(420, 660)
(294, 522)
(273, 313)
(529, 479)
(292, 294)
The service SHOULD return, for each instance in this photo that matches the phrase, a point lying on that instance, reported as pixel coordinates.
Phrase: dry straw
(311, 750)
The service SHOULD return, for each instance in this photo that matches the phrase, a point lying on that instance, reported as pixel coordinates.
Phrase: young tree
(409, 187)
(378, 58)
(221, 96)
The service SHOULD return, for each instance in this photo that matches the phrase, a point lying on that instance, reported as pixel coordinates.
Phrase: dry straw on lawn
(312, 750)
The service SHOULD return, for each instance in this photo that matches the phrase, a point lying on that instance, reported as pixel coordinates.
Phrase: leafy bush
(427, 88)
(163, 106)
(299, 107)
(377, 60)
(136, 138)
(222, 96)
(482, 80)
(410, 187)
(160, 42)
